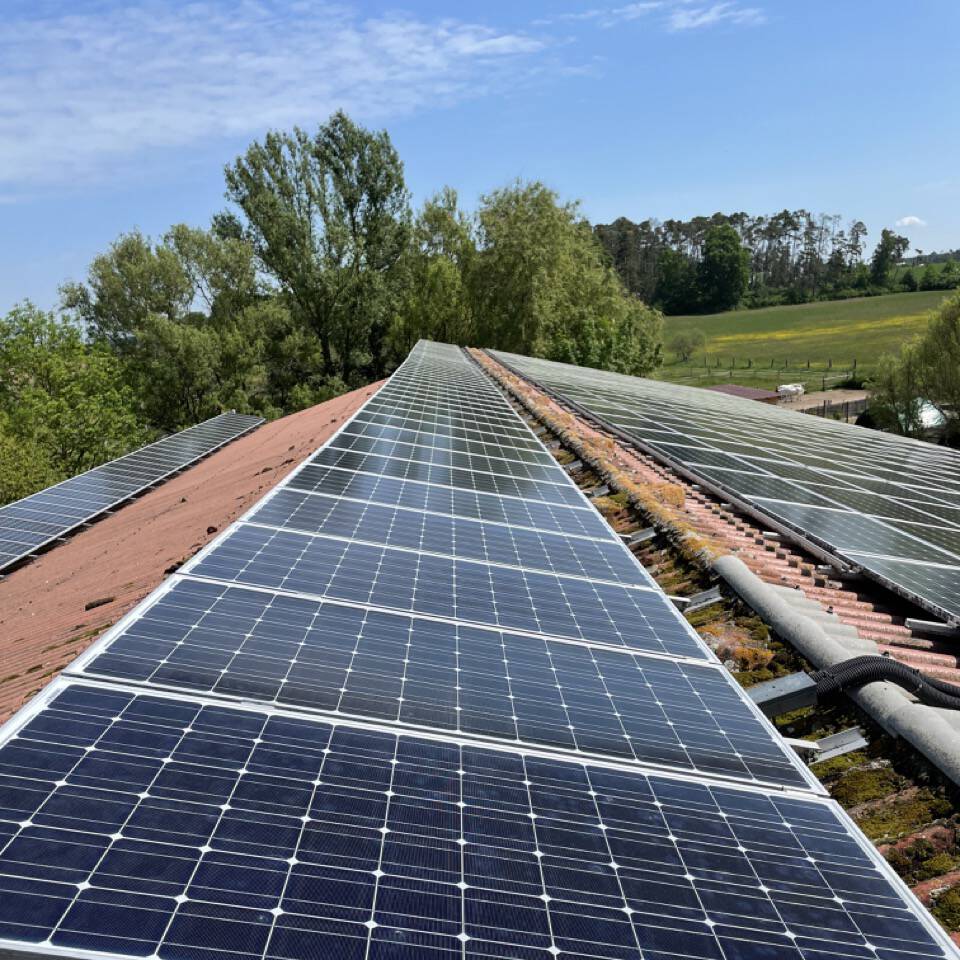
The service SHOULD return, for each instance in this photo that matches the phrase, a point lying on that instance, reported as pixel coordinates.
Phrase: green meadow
(806, 342)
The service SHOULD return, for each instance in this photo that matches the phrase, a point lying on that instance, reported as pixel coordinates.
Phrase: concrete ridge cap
(924, 727)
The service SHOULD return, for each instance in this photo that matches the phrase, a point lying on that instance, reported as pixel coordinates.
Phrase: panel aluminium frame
(19, 950)
(132, 493)
(79, 670)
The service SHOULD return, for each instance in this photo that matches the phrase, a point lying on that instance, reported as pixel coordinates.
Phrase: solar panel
(571, 520)
(30, 524)
(453, 536)
(424, 583)
(389, 718)
(144, 826)
(234, 642)
(875, 500)
(480, 480)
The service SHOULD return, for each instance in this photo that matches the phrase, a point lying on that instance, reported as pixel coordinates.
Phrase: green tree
(329, 218)
(677, 284)
(25, 466)
(191, 322)
(543, 286)
(889, 250)
(949, 277)
(724, 270)
(133, 280)
(687, 343)
(926, 371)
(435, 303)
(929, 279)
(909, 281)
(63, 401)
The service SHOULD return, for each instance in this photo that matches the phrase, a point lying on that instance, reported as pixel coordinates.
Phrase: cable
(858, 671)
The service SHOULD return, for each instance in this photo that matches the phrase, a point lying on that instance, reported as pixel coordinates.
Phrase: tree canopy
(64, 406)
(927, 371)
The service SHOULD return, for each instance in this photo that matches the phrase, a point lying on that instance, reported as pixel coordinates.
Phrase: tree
(926, 371)
(190, 321)
(888, 252)
(435, 303)
(686, 344)
(25, 466)
(541, 285)
(677, 286)
(64, 406)
(133, 280)
(724, 271)
(909, 281)
(329, 219)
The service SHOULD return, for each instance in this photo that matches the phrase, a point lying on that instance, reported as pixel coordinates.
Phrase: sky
(121, 114)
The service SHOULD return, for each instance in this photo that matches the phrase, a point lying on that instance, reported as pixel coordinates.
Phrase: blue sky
(116, 115)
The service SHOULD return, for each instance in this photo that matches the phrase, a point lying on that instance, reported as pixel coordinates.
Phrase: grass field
(807, 342)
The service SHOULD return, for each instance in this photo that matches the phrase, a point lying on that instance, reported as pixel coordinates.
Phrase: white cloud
(82, 92)
(911, 221)
(675, 15)
(695, 17)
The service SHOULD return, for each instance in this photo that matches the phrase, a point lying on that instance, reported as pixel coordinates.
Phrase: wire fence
(814, 374)
(839, 410)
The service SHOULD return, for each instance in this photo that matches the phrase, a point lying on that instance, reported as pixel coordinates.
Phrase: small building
(747, 393)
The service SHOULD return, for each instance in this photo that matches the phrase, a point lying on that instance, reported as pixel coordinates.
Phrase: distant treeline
(794, 256)
(922, 258)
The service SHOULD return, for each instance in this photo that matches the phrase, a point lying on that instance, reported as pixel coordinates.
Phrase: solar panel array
(30, 524)
(888, 505)
(408, 716)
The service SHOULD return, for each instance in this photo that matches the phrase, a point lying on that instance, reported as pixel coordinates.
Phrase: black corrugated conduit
(857, 671)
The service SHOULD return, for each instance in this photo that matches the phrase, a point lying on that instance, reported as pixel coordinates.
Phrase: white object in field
(790, 391)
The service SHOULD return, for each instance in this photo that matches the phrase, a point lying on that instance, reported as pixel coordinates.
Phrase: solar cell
(852, 533)
(144, 826)
(30, 524)
(270, 648)
(428, 726)
(443, 456)
(390, 415)
(937, 583)
(456, 441)
(878, 487)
